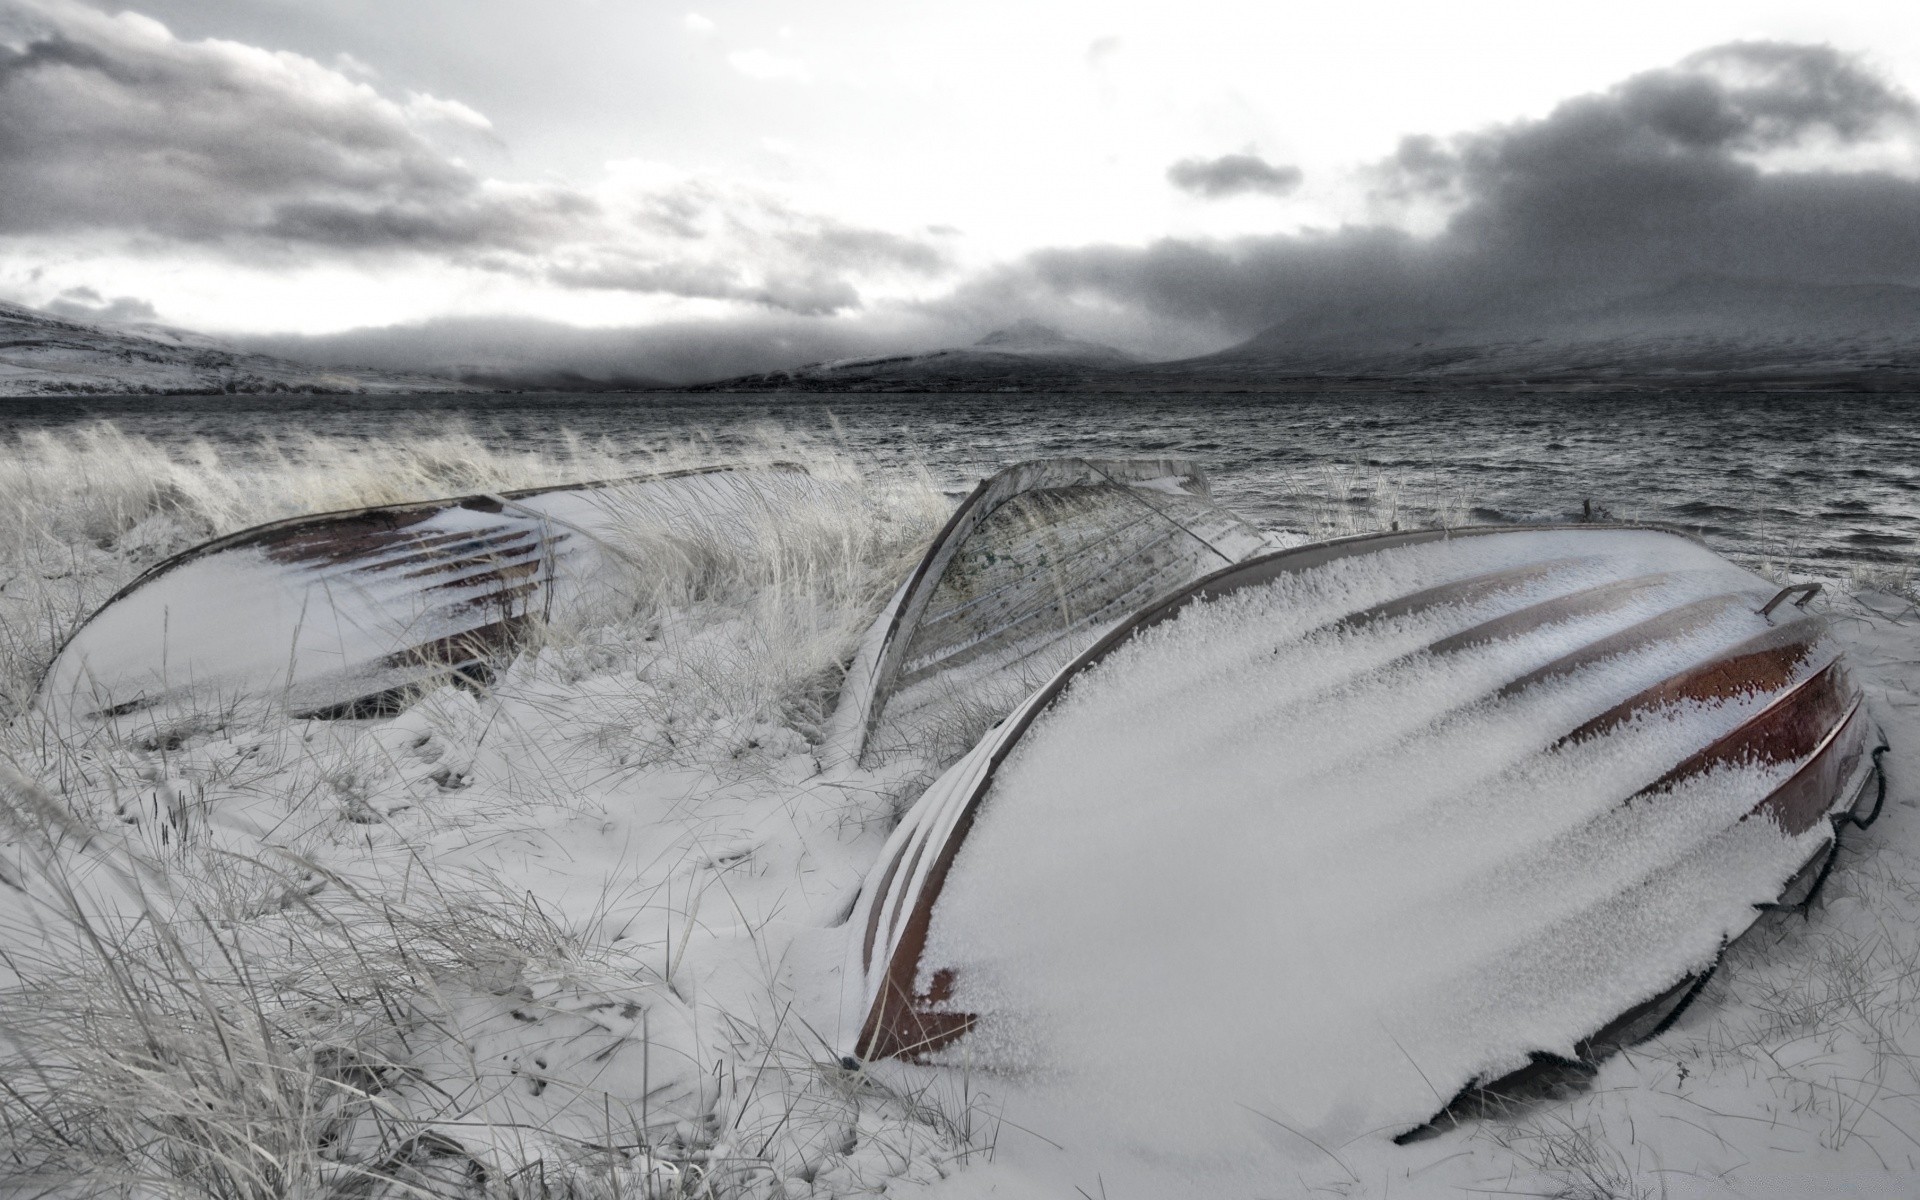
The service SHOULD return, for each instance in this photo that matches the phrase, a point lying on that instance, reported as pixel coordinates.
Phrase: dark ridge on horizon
(1706, 333)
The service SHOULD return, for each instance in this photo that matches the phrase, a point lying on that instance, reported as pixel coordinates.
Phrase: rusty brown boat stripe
(473, 568)
(1766, 662)
(335, 540)
(501, 600)
(1670, 625)
(904, 964)
(506, 552)
(1591, 601)
(1810, 795)
(442, 651)
(418, 543)
(1460, 591)
(1788, 729)
(912, 865)
(879, 907)
(903, 1027)
(495, 572)
(506, 542)
(1586, 602)
(1644, 635)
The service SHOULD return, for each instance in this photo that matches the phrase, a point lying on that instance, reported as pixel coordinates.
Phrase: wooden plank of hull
(1767, 662)
(1814, 719)
(1463, 591)
(418, 591)
(1667, 626)
(1604, 598)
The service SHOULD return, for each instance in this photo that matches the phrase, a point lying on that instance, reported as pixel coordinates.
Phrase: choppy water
(1828, 483)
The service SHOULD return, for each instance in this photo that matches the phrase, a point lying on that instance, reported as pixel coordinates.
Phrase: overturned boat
(1036, 563)
(1397, 818)
(345, 613)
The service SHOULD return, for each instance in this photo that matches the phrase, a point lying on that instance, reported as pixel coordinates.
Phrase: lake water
(1826, 483)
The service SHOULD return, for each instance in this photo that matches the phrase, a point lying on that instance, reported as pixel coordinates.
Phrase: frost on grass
(566, 937)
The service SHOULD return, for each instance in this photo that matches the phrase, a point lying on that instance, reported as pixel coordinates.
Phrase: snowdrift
(340, 614)
(1036, 563)
(1353, 830)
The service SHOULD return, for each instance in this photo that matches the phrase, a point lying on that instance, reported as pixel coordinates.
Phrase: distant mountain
(1025, 355)
(1713, 333)
(1701, 334)
(45, 355)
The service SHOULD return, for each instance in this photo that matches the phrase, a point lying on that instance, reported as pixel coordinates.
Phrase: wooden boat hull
(344, 613)
(1034, 565)
(1471, 662)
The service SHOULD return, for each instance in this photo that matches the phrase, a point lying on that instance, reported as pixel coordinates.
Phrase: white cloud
(433, 109)
(347, 64)
(698, 24)
(764, 64)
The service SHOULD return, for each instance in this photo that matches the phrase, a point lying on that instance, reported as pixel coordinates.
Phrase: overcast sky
(746, 181)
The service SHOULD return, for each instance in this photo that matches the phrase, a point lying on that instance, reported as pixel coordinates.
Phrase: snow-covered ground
(579, 935)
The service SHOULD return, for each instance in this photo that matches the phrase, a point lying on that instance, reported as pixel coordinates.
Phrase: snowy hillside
(45, 355)
(1709, 332)
(1024, 355)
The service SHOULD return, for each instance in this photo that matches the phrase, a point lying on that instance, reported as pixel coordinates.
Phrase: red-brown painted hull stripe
(1586, 602)
(1766, 663)
(502, 573)
(1788, 729)
(1668, 626)
(458, 647)
(336, 540)
(880, 900)
(1814, 791)
(1460, 591)
(904, 965)
(409, 550)
(445, 558)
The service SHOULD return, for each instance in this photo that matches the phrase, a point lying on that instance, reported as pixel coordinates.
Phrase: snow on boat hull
(335, 614)
(1036, 563)
(1514, 789)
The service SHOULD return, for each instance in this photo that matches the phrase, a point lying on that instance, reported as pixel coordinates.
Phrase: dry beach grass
(554, 940)
(196, 1009)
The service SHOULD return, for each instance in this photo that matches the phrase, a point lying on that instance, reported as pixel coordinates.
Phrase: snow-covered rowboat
(1433, 807)
(342, 613)
(1035, 564)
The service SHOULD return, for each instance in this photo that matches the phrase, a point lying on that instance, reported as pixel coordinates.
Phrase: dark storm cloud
(1732, 163)
(1233, 175)
(112, 127)
(112, 123)
(1667, 173)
